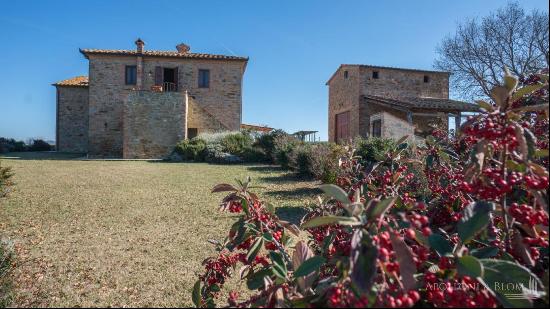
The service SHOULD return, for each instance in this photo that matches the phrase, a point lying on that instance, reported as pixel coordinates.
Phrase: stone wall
(395, 83)
(201, 119)
(392, 126)
(344, 94)
(107, 95)
(153, 123)
(72, 119)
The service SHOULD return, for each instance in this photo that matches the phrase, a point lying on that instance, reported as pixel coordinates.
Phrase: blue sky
(294, 47)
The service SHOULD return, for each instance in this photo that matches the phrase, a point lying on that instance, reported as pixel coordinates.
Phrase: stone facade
(72, 119)
(152, 124)
(352, 87)
(392, 127)
(212, 108)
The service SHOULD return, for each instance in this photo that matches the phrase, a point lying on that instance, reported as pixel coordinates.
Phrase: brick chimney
(183, 48)
(139, 45)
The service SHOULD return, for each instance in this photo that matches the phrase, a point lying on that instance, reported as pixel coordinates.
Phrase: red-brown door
(342, 127)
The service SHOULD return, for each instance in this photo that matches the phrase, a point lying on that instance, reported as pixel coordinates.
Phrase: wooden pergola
(255, 128)
(306, 136)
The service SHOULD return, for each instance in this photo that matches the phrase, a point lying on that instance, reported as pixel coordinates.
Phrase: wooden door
(342, 127)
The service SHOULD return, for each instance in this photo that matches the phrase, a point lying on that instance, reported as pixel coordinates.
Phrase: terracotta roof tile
(425, 103)
(78, 81)
(159, 53)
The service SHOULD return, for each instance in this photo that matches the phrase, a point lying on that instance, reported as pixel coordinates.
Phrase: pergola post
(458, 118)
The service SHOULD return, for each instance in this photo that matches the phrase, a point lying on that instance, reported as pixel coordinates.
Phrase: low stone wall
(153, 122)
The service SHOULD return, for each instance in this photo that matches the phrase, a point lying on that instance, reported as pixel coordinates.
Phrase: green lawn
(122, 233)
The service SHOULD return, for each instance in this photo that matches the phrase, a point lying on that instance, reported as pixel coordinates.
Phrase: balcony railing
(169, 87)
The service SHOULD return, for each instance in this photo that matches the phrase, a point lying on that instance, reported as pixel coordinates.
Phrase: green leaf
(429, 161)
(484, 253)
(254, 249)
(541, 153)
(256, 280)
(407, 267)
(244, 204)
(523, 91)
(531, 142)
(469, 266)
(196, 295)
(267, 236)
(335, 192)
(308, 266)
(421, 239)
(440, 244)
(475, 217)
(506, 279)
(486, 106)
(510, 82)
(327, 220)
(223, 187)
(379, 208)
(279, 266)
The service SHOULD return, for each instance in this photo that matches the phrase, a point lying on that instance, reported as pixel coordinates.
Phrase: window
(377, 128)
(426, 79)
(375, 74)
(131, 75)
(192, 132)
(345, 74)
(204, 78)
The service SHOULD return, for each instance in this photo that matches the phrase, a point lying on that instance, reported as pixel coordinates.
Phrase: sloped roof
(159, 53)
(425, 103)
(78, 81)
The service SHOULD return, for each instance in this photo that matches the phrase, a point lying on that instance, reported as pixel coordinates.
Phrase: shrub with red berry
(476, 236)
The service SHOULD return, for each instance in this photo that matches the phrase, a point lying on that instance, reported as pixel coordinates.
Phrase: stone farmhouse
(366, 100)
(139, 103)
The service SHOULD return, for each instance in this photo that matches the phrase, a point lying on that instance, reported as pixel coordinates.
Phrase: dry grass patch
(122, 233)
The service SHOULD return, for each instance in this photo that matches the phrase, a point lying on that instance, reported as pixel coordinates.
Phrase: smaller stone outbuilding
(366, 100)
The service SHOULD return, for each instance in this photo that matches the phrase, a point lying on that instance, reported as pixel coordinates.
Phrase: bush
(266, 142)
(254, 154)
(11, 145)
(372, 241)
(6, 175)
(39, 145)
(215, 154)
(235, 143)
(373, 149)
(301, 160)
(325, 158)
(221, 147)
(284, 146)
(193, 149)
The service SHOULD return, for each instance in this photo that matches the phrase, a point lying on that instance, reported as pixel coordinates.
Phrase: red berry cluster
(528, 215)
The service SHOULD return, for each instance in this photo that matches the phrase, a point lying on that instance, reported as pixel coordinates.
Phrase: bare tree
(478, 52)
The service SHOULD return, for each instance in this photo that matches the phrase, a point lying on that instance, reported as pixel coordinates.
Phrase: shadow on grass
(265, 168)
(292, 214)
(298, 193)
(41, 155)
(279, 179)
